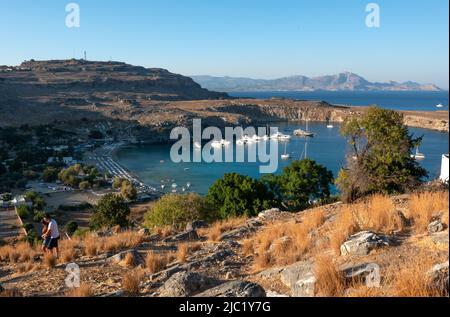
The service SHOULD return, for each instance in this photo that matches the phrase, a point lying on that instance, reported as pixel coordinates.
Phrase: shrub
(23, 212)
(423, 207)
(84, 185)
(111, 210)
(71, 227)
(236, 195)
(155, 262)
(83, 291)
(177, 210)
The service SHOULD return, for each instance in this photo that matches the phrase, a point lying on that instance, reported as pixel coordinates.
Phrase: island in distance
(340, 82)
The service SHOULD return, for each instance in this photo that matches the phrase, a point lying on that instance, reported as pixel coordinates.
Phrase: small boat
(418, 155)
(329, 125)
(188, 185)
(280, 136)
(300, 132)
(304, 133)
(285, 156)
(440, 106)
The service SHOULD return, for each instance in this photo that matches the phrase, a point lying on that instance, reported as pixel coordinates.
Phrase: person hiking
(53, 233)
(46, 239)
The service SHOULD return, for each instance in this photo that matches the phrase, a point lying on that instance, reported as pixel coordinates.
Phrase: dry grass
(330, 282)
(247, 247)
(410, 279)
(424, 207)
(378, 214)
(314, 218)
(129, 260)
(164, 232)
(68, 250)
(11, 293)
(20, 253)
(218, 228)
(182, 253)
(83, 291)
(281, 244)
(25, 267)
(124, 240)
(49, 261)
(156, 262)
(131, 281)
(364, 291)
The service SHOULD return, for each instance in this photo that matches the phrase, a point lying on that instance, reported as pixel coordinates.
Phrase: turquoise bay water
(152, 163)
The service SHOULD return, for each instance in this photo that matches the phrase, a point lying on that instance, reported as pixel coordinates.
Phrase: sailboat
(329, 125)
(418, 155)
(304, 133)
(285, 156)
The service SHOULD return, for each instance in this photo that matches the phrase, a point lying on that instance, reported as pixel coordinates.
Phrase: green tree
(84, 185)
(111, 210)
(238, 195)
(380, 157)
(128, 190)
(50, 174)
(302, 183)
(177, 210)
(117, 182)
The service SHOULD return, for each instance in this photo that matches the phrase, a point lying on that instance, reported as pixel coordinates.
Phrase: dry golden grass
(330, 282)
(129, 260)
(11, 293)
(83, 291)
(378, 214)
(281, 244)
(247, 247)
(410, 278)
(314, 218)
(25, 267)
(216, 229)
(156, 262)
(22, 252)
(193, 247)
(124, 240)
(364, 291)
(182, 253)
(164, 232)
(131, 281)
(49, 261)
(423, 207)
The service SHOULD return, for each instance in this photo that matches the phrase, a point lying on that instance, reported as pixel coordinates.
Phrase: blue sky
(252, 38)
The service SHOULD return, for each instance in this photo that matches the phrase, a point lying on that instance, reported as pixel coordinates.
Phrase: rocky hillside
(88, 81)
(340, 82)
(382, 246)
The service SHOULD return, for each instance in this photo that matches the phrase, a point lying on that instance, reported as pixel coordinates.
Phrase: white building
(444, 168)
(66, 160)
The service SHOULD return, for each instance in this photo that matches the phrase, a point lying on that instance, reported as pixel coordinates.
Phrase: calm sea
(153, 165)
(396, 100)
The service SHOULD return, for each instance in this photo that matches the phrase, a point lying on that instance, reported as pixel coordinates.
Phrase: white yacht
(440, 106)
(280, 136)
(285, 156)
(418, 155)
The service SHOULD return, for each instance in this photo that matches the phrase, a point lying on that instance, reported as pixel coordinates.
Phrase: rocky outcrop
(363, 242)
(439, 277)
(436, 226)
(300, 278)
(185, 284)
(190, 235)
(235, 289)
(119, 258)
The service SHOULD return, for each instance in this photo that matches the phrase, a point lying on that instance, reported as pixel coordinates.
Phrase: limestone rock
(196, 224)
(185, 284)
(439, 277)
(300, 278)
(119, 257)
(190, 235)
(366, 272)
(144, 232)
(363, 242)
(235, 289)
(435, 226)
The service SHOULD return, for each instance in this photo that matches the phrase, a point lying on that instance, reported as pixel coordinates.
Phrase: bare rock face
(196, 224)
(190, 235)
(235, 289)
(363, 242)
(185, 284)
(369, 273)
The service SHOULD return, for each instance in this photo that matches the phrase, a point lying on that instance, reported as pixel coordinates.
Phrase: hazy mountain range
(340, 82)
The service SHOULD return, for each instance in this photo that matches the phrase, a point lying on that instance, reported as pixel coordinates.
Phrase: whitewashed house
(444, 168)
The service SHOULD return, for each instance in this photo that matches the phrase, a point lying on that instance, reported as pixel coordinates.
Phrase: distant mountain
(340, 82)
